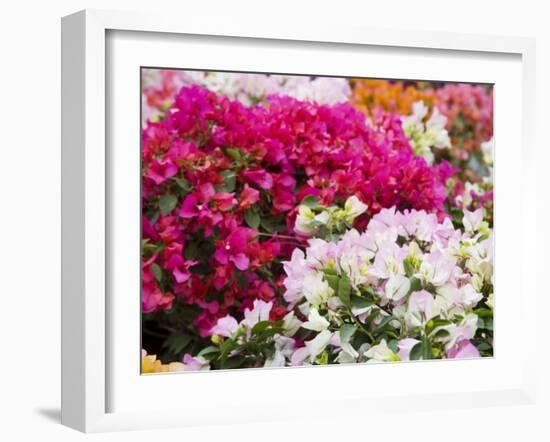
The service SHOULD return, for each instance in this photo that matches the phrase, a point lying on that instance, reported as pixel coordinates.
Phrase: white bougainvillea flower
(284, 348)
(436, 268)
(465, 330)
(197, 363)
(321, 254)
(259, 312)
(436, 132)
(277, 360)
(353, 208)
(487, 149)
(303, 224)
(226, 327)
(420, 309)
(388, 261)
(472, 220)
(316, 290)
(425, 137)
(397, 287)
(315, 321)
(296, 270)
(470, 296)
(291, 324)
(381, 353)
(318, 344)
(405, 346)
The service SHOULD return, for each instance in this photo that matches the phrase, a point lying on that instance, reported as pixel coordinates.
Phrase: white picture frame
(87, 357)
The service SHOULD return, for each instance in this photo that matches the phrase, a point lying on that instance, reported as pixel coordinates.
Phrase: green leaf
(233, 362)
(344, 290)
(409, 266)
(229, 181)
(346, 332)
(330, 272)
(167, 203)
(252, 218)
(184, 184)
(261, 326)
(332, 281)
(311, 202)
(440, 334)
(270, 332)
(273, 223)
(157, 271)
(392, 345)
(234, 152)
(227, 347)
(483, 346)
(322, 359)
(426, 348)
(416, 285)
(484, 312)
(385, 321)
(416, 352)
(372, 315)
(209, 351)
(359, 302)
(177, 342)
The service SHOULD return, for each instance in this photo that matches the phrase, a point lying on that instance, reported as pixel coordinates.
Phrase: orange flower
(150, 364)
(369, 95)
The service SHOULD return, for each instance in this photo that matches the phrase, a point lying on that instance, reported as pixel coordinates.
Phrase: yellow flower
(150, 364)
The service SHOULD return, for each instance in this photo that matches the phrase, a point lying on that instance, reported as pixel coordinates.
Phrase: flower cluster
(467, 109)
(281, 225)
(397, 97)
(407, 288)
(425, 137)
(160, 87)
(199, 190)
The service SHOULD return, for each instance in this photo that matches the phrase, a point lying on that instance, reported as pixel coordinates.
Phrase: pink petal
(241, 261)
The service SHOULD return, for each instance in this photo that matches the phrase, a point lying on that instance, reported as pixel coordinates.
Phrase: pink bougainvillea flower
(249, 197)
(225, 200)
(168, 229)
(160, 170)
(464, 349)
(152, 298)
(176, 263)
(233, 248)
(226, 326)
(196, 203)
(259, 177)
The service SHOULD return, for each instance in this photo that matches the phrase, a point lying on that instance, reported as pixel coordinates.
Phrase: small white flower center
(199, 207)
(227, 247)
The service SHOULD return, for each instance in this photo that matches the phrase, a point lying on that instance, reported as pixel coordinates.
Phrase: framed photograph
(292, 221)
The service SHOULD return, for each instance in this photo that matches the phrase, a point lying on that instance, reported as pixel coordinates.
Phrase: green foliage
(167, 203)
(252, 218)
(344, 290)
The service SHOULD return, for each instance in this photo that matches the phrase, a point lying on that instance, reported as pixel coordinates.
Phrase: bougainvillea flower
(234, 247)
(160, 170)
(260, 177)
(196, 204)
(464, 349)
(175, 262)
(224, 201)
(249, 196)
(230, 177)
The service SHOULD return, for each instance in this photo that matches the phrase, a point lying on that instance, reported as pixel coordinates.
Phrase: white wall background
(30, 215)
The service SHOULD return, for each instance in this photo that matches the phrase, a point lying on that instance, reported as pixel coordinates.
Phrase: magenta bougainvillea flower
(222, 182)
